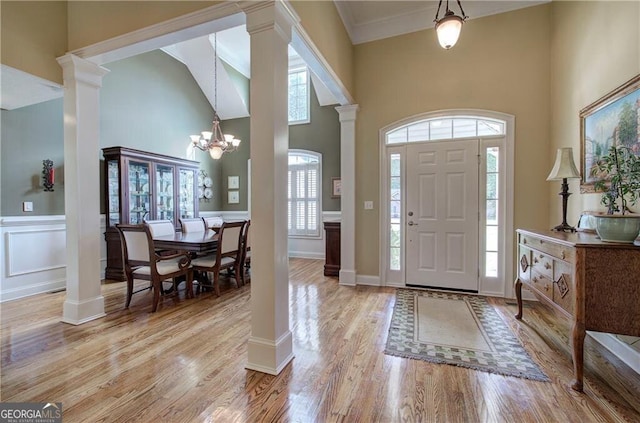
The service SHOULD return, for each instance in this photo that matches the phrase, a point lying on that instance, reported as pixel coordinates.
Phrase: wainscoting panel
(36, 250)
(33, 251)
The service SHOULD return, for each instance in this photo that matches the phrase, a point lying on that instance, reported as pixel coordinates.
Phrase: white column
(82, 82)
(348, 195)
(270, 344)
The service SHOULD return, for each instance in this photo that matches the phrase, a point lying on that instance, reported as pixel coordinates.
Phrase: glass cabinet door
(164, 188)
(139, 194)
(113, 192)
(187, 193)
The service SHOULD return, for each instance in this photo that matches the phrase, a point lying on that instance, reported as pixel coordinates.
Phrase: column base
(270, 357)
(347, 277)
(77, 313)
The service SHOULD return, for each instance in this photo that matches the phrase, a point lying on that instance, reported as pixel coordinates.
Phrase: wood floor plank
(185, 363)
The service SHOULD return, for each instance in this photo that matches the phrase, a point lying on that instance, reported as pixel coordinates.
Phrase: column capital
(82, 70)
(272, 14)
(347, 113)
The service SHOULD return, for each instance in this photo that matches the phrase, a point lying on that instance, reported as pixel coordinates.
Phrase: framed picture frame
(233, 182)
(336, 187)
(233, 197)
(611, 120)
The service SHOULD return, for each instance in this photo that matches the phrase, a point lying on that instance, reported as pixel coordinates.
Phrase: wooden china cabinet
(143, 186)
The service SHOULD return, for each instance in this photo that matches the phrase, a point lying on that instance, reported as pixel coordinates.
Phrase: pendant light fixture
(215, 141)
(449, 26)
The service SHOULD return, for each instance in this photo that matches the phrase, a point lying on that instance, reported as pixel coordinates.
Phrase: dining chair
(143, 263)
(213, 222)
(228, 255)
(246, 252)
(160, 227)
(196, 224)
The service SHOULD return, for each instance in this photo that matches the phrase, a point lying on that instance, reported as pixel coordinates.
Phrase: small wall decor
(205, 192)
(233, 197)
(233, 182)
(48, 175)
(336, 188)
(610, 120)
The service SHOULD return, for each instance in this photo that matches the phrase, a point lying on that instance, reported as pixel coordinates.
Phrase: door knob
(410, 223)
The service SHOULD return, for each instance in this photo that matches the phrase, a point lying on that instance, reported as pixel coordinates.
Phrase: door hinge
(479, 159)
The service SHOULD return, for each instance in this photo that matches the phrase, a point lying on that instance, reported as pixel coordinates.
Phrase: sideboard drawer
(556, 250)
(542, 284)
(542, 263)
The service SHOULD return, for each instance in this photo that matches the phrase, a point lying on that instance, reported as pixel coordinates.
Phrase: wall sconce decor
(48, 175)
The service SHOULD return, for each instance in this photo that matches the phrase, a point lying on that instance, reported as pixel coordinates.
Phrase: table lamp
(564, 168)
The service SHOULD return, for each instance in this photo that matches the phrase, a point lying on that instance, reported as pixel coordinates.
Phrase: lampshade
(449, 26)
(448, 30)
(215, 152)
(564, 167)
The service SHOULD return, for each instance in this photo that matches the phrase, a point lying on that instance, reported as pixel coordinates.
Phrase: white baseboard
(306, 255)
(368, 280)
(618, 348)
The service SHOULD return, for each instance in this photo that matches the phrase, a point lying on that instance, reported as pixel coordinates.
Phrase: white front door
(442, 215)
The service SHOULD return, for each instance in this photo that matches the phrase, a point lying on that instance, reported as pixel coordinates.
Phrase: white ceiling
(364, 20)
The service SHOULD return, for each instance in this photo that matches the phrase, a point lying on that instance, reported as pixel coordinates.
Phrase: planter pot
(617, 227)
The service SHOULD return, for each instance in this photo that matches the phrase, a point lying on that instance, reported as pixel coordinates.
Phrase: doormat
(456, 329)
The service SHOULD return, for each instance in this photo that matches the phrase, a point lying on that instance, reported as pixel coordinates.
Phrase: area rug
(457, 329)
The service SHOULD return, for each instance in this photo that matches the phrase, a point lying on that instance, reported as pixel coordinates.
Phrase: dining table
(193, 242)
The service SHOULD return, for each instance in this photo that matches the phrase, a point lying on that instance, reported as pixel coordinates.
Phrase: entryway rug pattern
(457, 329)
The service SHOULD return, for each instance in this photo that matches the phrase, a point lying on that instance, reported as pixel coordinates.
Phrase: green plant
(619, 172)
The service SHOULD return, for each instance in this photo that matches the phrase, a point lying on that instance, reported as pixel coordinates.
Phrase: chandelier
(215, 141)
(449, 26)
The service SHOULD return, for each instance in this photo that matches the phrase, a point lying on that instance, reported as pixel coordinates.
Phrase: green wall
(322, 135)
(29, 136)
(149, 102)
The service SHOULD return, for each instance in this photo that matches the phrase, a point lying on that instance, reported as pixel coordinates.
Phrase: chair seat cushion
(164, 268)
(210, 261)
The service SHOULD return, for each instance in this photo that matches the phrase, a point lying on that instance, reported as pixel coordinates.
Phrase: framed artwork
(612, 120)
(233, 197)
(233, 182)
(336, 188)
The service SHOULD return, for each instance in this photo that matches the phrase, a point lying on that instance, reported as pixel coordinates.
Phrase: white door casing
(393, 215)
(442, 215)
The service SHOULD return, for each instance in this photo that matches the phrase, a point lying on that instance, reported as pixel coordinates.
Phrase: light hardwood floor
(185, 363)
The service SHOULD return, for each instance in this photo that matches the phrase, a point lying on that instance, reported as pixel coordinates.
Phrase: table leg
(578, 333)
(518, 286)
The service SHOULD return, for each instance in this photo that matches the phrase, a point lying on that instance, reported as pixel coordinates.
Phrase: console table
(595, 284)
(332, 248)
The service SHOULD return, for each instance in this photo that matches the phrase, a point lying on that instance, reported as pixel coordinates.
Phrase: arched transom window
(445, 129)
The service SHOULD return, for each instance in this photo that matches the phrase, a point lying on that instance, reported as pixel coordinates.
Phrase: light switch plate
(27, 206)
(368, 205)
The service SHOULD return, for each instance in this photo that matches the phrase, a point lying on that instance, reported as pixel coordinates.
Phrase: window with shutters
(304, 192)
